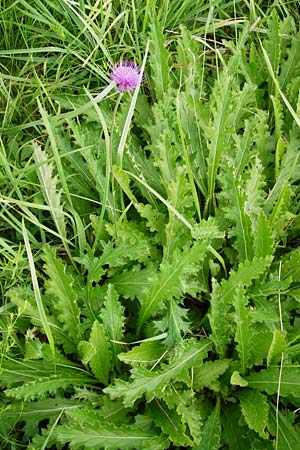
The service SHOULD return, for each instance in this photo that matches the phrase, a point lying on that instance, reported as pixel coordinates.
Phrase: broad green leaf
(234, 202)
(153, 383)
(255, 409)
(133, 283)
(263, 242)
(189, 409)
(155, 220)
(243, 335)
(268, 381)
(145, 353)
(32, 413)
(291, 265)
(131, 245)
(221, 321)
(277, 347)
(254, 189)
(211, 432)
(244, 275)
(113, 319)
(40, 387)
(207, 229)
(290, 68)
(174, 323)
(100, 362)
(60, 286)
(273, 41)
(171, 280)
(110, 437)
(188, 406)
(207, 374)
(159, 59)
(234, 434)
(170, 423)
(218, 137)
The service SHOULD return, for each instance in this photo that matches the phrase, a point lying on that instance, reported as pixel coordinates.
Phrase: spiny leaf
(211, 433)
(153, 384)
(291, 265)
(287, 172)
(33, 412)
(290, 68)
(234, 202)
(243, 328)
(189, 409)
(41, 386)
(273, 45)
(60, 286)
(222, 299)
(270, 381)
(254, 189)
(170, 423)
(170, 283)
(131, 245)
(237, 380)
(174, 323)
(219, 134)
(180, 197)
(255, 409)
(245, 274)
(109, 437)
(159, 59)
(100, 361)
(280, 214)
(49, 188)
(135, 282)
(207, 229)
(155, 220)
(263, 243)
(112, 315)
(207, 375)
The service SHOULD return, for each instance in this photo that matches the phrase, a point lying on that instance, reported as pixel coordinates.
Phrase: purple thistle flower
(126, 75)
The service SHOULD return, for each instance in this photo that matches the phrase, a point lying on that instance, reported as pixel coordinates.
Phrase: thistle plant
(150, 262)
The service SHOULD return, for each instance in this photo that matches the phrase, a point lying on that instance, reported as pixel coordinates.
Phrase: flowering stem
(111, 161)
(131, 109)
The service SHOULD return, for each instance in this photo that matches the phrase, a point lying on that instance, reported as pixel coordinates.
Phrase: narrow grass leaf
(36, 289)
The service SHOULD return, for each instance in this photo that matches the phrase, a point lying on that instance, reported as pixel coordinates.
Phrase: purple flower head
(126, 75)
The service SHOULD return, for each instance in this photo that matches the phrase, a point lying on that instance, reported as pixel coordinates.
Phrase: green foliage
(153, 383)
(255, 409)
(149, 301)
(64, 296)
(211, 434)
(110, 437)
